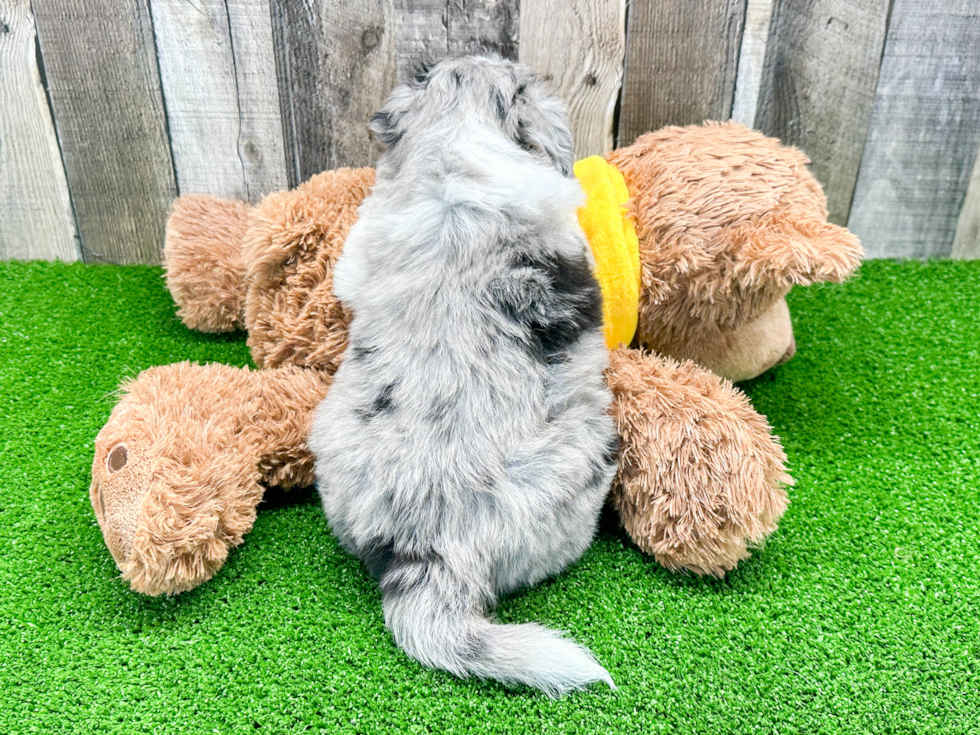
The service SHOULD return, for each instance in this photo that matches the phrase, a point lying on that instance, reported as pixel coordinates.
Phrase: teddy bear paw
(701, 476)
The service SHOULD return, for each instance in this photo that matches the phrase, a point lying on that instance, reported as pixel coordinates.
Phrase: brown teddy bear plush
(726, 221)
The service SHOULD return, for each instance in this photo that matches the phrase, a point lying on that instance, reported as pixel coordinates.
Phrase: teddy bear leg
(202, 254)
(179, 467)
(701, 476)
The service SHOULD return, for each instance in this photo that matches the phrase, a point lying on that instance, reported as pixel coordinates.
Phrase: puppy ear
(539, 122)
(388, 124)
(386, 128)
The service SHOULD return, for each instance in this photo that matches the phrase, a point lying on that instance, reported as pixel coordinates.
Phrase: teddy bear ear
(779, 251)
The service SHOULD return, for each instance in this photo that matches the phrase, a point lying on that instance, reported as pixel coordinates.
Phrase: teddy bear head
(728, 221)
(169, 487)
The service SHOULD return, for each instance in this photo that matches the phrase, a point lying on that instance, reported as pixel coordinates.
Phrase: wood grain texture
(421, 32)
(37, 220)
(681, 58)
(579, 45)
(751, 58)
(217, 67)
(966, 243)
(428, 30)
(482, 26)
(336, 64)
(101, 71)
(925, 131)
(818, 86)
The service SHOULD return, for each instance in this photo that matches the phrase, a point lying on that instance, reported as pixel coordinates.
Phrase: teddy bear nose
(121, 476)
(117, 458)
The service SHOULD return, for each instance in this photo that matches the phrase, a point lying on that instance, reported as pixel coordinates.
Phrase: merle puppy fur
(464, 449)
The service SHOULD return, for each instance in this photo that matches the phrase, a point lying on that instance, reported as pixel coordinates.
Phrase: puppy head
(487, 89)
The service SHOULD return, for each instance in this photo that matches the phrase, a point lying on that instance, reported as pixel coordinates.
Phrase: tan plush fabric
(727, 222)
(700, 474)
(294, 238)
(744, 352)
(203, 257)
(197, 441)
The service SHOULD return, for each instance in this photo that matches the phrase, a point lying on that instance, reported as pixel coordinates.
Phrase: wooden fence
(111, 108)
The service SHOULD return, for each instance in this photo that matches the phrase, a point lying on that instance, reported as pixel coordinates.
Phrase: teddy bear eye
(117, 458)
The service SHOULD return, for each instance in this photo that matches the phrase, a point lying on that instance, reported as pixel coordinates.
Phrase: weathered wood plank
(37, 220)
(336, 65)
(217, 67)
(337, 62)
(681, 58)
(966, 244)
(751, 57)
(483, 26)
(428, 30)
(818, 86)
(925, 130)
(579, 45)
(101, 71)
(421, 32)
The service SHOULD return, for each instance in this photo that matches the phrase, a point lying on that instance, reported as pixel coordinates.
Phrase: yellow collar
(612, 236)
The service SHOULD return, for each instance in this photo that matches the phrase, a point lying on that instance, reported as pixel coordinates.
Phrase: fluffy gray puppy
(464, 449)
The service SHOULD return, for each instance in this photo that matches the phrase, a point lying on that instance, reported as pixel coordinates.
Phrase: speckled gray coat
(464, 449)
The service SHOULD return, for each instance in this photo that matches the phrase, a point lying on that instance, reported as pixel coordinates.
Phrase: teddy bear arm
(288, 397)
(203, 259)
(294, 239)
(701, 476)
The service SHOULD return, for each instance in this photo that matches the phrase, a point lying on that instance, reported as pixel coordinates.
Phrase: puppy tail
(436, 618)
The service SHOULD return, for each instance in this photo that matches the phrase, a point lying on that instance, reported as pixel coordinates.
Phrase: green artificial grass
(859, 615)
